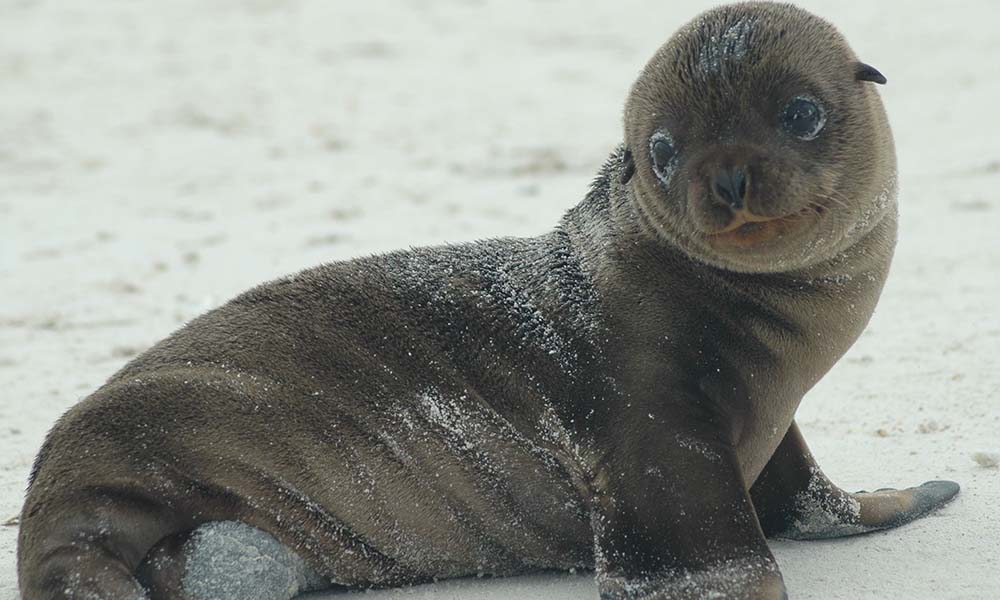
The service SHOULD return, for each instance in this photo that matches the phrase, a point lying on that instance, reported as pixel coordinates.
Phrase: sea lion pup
(616, 394)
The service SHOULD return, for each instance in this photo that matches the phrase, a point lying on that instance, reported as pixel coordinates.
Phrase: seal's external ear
(628, 166)
(868, 73)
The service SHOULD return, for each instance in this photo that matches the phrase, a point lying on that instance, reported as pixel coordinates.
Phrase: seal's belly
(441, 485)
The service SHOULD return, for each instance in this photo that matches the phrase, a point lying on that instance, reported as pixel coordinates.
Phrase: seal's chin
(748, 230)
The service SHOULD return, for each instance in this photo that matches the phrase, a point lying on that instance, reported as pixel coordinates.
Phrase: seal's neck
(811, 315)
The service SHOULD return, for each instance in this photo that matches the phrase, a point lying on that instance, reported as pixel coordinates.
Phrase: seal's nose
(730, 186)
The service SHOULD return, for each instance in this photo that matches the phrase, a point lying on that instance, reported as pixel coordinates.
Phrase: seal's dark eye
(804, 118)
(662, 153)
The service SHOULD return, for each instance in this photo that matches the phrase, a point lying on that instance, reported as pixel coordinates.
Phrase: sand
(156, 158)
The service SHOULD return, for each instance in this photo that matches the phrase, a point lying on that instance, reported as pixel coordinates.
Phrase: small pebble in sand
(931, 427)
(987, 460)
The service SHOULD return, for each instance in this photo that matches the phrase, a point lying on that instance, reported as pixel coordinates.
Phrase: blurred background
(156, 158)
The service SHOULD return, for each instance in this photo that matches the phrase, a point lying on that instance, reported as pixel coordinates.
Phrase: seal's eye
(804, 118)
(664, 155)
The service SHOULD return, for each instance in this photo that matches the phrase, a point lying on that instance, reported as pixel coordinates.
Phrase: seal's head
(756, 141)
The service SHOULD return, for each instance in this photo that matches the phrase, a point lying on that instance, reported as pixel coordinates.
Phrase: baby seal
(618, 394)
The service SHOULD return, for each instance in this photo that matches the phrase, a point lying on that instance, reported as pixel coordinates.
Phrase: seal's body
(618, 394)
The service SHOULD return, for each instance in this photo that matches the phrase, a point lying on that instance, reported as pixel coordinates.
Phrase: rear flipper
(225, 560)
(794, 500)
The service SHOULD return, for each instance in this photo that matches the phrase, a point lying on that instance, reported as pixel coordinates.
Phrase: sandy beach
(157, 158)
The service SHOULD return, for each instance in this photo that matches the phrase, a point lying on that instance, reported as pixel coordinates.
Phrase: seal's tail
(85, 544)
(96, 507)
(105, 488)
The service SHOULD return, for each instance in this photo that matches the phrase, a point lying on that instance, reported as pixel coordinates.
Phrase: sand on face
(158, 158)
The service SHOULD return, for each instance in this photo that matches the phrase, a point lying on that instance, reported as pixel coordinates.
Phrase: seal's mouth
(748, 229)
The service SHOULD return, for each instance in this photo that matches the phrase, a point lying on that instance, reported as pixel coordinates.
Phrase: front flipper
(673, 520)
(794, 500)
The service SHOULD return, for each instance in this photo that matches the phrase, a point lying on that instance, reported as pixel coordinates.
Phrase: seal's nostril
(730, 186)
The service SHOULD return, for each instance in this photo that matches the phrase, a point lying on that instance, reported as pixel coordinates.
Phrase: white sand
(158, 157)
